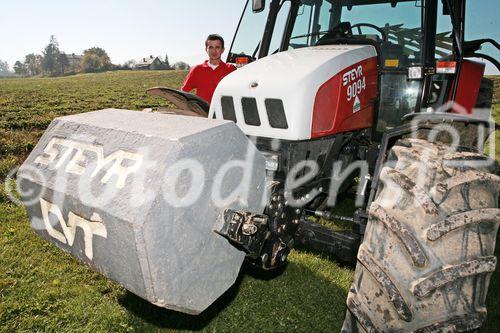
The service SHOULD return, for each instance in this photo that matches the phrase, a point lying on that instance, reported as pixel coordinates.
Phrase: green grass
(44, 289)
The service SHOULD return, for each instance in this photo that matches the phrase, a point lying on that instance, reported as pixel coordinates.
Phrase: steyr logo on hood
(355, 82)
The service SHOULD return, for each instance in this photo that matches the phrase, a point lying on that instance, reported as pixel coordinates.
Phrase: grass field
(43, 289)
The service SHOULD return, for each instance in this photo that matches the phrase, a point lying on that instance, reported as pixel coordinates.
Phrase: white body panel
(293, 76)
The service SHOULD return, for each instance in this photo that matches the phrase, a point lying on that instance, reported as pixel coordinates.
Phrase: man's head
(214, 46)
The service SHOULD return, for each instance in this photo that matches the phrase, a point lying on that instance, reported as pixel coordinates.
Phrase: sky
(136, 29)
(125, 29)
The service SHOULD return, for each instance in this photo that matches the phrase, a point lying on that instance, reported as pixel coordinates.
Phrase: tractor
(383, 100)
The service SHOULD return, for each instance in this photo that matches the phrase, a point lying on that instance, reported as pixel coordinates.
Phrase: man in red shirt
(205, 77)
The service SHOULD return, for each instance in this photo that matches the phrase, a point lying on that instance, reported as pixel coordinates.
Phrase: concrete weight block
(136, 196)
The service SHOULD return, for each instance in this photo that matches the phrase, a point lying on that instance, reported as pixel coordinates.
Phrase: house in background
(151, 63)
(74, 60)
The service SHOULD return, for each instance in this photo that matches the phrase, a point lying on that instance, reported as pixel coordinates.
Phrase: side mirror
(258, 5)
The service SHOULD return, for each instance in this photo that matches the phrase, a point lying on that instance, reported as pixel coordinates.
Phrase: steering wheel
(373, 26)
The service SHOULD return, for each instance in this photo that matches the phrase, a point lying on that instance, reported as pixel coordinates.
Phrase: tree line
(4, 69)
(54, 62)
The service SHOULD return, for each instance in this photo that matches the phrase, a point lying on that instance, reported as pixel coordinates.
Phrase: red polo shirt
(205, 79)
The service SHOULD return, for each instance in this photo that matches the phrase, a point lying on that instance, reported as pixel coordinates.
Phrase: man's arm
(190, 81)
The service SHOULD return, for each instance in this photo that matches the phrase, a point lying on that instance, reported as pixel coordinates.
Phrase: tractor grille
(250, 111)
(228, 112)
(275, 111)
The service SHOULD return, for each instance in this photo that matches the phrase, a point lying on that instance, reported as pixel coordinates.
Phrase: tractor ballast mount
(169, 205)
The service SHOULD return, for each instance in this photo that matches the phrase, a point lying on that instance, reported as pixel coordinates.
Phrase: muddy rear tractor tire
(428, 252)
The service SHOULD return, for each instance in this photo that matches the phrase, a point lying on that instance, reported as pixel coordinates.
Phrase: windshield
(400, 26)
(249, 34)
(312, 19)
(397, 28)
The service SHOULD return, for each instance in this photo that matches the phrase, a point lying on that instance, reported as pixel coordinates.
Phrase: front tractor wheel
(428, 252)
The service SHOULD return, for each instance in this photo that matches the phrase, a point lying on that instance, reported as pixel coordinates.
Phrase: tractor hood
(275, 96)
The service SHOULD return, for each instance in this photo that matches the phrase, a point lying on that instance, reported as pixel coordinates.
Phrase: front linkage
(268, 238)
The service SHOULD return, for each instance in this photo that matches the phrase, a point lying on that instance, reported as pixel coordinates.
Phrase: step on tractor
(383, 101)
